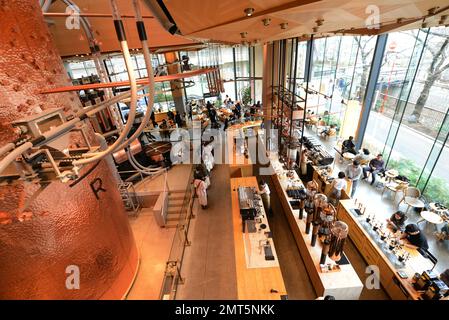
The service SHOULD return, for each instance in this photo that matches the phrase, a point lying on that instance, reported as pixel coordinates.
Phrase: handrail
(172, 276)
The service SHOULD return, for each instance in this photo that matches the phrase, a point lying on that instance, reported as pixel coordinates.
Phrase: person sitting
(444, 233)
(416, 239)
(329, 132)
(171, 115)
(363, 157)
(397, 221)
(348, 146)
(163, 130)
(374, 166)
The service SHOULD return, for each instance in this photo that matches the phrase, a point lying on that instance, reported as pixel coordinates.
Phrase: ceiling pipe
(162, 14)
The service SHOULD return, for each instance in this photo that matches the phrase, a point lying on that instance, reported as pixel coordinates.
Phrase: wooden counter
(239, 165)
(395, 286)
(344, 284)
(252, 283)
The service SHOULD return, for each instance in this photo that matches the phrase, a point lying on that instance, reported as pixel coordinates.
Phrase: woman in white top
(200, 187)
(338, 185)
(208, 157)
(265, 195)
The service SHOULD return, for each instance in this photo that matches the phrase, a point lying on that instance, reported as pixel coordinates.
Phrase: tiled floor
(384, 206)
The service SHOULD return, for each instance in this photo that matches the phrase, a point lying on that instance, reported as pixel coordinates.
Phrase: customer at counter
(374, 166)
(354, 172)
(338, 185)
(397, 221)
(416, 239)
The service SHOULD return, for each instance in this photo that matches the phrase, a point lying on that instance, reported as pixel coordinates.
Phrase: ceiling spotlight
(319, 22)
(266, 21)
(243, 34)
(315, 29)
(249, 12)
(399, 20)
(443, 19)
(284, 25)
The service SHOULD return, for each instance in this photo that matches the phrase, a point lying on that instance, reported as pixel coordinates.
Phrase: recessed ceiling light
(315, 29)
(249, 12)
(266, 21)
(319, 22)
(284, 25)
(243, 34)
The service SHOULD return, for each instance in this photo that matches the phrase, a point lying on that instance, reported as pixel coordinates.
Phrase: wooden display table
(344, 284)
(396, 287)
(254, 283)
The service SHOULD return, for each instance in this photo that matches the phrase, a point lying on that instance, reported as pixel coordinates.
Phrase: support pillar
(176, 87)
(370, 88)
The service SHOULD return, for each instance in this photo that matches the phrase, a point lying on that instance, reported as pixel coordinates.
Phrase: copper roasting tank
(46, 230)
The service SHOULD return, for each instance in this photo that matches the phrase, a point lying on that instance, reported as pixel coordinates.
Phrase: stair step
(172, 219)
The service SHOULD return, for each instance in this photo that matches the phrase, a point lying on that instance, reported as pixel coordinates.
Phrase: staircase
(177, 208)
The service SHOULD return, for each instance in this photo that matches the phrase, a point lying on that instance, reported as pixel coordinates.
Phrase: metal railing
(429, 121)
(173, 277)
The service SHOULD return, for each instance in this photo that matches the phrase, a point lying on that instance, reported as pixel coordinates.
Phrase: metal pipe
(132, 110)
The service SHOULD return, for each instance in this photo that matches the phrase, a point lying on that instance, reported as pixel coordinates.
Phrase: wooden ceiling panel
(72, 41)
(223, 21)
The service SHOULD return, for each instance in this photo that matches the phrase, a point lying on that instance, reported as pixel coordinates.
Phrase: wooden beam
(143, 81)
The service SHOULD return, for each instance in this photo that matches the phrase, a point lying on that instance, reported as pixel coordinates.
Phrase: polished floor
(209, 263)
(153, 243)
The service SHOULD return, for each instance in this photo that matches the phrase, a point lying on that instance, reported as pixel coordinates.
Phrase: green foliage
(332, 119)
(246, 95)
(437, 189)
(406, 167)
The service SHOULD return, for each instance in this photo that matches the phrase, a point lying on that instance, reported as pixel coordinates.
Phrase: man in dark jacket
(375, 165)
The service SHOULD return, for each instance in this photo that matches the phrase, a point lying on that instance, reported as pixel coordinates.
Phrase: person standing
(374, 166)
(338, 185)
(178, 120)
(201, 192)
(153, 119)
(354, 172)
(265, 195)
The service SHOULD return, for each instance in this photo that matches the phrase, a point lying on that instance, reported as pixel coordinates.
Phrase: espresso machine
(425, 280)
(250, 207)
(437, 289)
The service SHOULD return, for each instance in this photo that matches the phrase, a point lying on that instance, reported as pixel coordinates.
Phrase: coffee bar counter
(259, 276)
(396, 273)
(339, 280)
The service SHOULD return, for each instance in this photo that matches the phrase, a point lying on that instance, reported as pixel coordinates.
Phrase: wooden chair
(411, 198)
(395, 187)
